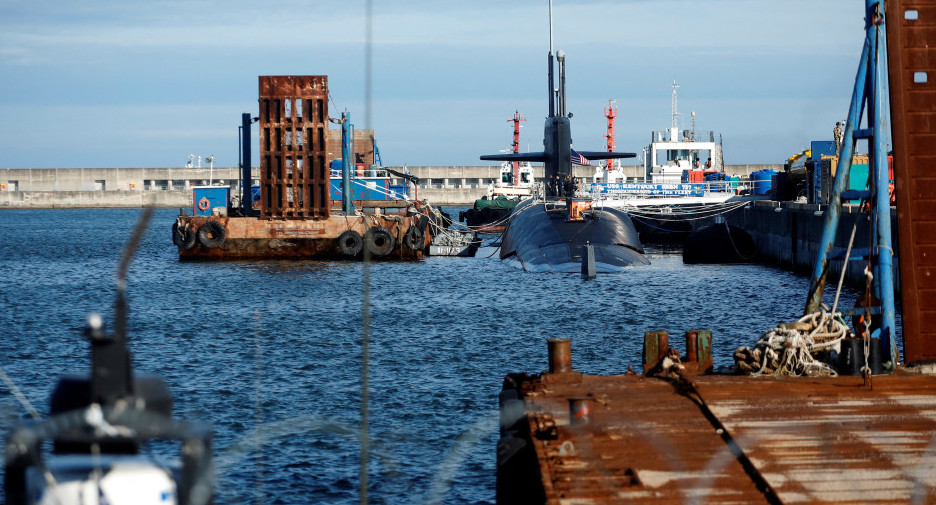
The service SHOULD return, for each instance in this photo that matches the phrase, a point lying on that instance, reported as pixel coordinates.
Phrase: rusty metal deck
(800, 440)
(310, 239)
(834, 440)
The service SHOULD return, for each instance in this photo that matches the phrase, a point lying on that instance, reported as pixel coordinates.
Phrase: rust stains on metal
(833, 440)
(560, 355)
(294, 176)
(335, 238)
(911, 34)
(659, 356)
(718, 439)
(644, 443)
(656, 344)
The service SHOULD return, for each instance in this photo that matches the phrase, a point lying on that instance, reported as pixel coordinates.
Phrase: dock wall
(788, 234)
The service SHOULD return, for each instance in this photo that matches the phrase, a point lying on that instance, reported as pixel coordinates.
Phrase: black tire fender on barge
(414, 239)
(211, 234)
(350, 243)
(183, 237)
(422, 223)
(379, 241)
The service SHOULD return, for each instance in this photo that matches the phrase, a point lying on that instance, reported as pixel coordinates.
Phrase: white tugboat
(683, 182)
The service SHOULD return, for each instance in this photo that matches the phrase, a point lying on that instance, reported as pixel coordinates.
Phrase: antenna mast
(610, 113)
(675, 129)
(550, 28)
(552, 92)
(516, 144)
(692, 133)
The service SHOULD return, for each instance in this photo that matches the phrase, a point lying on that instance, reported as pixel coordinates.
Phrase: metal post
(246, 198)
(883, 244)
(347, 205)
(560, 354)
(855, 110)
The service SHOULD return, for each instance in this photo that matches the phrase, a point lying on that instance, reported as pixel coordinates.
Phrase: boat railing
(366, 173)
(389, 193)
(685, 136)
(649, 189)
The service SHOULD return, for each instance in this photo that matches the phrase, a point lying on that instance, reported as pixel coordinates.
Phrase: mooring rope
(793, 348)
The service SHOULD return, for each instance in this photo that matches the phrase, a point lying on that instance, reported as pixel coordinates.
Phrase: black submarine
(551, 233)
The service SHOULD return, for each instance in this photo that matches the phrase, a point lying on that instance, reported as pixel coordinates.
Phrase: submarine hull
(541, 238)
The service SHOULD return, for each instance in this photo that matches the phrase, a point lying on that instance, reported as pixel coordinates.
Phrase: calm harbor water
(270, 352)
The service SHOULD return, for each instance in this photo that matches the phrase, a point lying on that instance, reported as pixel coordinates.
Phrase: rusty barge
(305, 207)
(849, 420)
(584, 439)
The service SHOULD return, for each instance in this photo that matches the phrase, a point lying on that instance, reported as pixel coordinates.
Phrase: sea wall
(788, 235)
(94, 199)
(451, 197)
(133, 187)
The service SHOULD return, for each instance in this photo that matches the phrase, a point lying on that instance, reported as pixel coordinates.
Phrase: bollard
(691, 349)
(578, 411)
(560, 354)
(699, 349)
(655, 345)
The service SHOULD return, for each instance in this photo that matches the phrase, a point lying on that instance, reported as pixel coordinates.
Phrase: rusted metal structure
(295, 219)
(294, 177)
(572, 438)
(911, 32)
(384, 236)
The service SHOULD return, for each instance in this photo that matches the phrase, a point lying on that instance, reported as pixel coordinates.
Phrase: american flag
(578, 159)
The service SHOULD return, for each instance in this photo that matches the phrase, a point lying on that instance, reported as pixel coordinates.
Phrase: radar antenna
(675, 110)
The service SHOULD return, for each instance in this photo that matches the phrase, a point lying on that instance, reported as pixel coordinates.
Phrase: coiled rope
(793, 348)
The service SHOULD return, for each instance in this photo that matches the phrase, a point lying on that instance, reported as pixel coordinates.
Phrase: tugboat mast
(610, 113)
(516, 144)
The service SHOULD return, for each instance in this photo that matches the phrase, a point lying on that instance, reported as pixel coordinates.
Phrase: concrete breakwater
(94, 199)
(787, 235)
(171, 187)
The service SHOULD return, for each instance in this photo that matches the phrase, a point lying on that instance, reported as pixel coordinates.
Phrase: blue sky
(145, 83)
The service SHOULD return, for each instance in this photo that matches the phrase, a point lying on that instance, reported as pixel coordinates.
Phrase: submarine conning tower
(557, 154)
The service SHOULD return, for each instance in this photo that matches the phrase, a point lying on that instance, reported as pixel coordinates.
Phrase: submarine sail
(548, 233)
